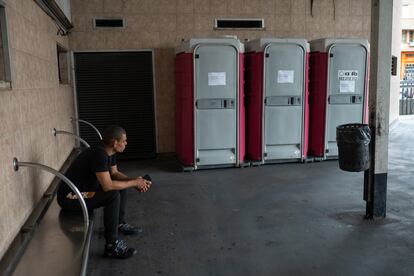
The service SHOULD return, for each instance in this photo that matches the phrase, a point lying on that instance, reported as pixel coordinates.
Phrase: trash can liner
(353, 133)
(353, 147)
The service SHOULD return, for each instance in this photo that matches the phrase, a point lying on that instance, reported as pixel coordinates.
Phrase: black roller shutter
(116, 88)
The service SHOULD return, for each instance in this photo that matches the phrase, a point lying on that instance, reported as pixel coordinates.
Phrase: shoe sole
(106, 255)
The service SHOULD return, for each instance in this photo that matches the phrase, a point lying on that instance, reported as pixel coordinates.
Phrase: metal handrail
(55, 132)
(17, 164)
(89, 124)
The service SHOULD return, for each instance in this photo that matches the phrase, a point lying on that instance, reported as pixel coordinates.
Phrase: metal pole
(17, 164)
(71, 134)
(89, 124)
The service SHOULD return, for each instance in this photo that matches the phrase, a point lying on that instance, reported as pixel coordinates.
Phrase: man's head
(115, 137)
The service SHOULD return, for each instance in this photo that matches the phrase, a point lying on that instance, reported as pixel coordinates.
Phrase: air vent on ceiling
(108, 23)
(239, 23)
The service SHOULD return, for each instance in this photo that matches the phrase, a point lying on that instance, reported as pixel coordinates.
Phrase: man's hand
(142, 184)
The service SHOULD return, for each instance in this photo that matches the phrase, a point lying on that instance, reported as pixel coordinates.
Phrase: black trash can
(353, 146)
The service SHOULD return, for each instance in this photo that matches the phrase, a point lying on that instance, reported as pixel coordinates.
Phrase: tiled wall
(161, 24)
(29, 112)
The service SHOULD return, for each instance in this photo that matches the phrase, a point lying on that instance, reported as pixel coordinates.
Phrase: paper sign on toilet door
(285, 76)
(216, 78)
(346, 86)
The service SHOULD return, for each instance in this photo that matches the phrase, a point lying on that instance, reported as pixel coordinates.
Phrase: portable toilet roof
(323, 44)
(188, 46)
(258, 45)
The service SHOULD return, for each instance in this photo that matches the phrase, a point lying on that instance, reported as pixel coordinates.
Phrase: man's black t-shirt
(82, 171)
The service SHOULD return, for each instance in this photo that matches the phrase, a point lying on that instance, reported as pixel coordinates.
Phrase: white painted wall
(396, 51)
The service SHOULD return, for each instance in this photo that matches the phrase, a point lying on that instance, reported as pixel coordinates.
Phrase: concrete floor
(286, 219)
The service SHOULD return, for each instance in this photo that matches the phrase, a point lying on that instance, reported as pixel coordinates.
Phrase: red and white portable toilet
(338, 91)
(277, 100)
(209, 102)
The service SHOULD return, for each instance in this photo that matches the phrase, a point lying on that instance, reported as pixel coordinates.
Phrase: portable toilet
(338, 91)
(209, 102)
(277, 100)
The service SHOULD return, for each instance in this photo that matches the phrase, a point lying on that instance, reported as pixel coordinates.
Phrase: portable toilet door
(346, 97)
(217, 116)
(216, 101)
(284, 99)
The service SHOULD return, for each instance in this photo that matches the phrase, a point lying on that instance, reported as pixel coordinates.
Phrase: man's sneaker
(128, 229)
(119, 249)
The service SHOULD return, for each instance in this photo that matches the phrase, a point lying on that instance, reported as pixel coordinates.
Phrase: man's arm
(117, 175)
(109, 184)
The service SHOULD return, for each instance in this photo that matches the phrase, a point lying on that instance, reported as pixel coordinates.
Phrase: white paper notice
(285, 76)
(216, 78)
(346, 86)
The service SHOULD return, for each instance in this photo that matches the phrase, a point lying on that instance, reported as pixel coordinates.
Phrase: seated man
(95, 174)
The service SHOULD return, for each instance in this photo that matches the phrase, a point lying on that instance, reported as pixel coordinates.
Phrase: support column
(379, 106)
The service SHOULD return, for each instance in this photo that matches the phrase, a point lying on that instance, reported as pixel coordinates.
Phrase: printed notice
(216, 78)
(348, 75)
(346, 86)
(285, 76)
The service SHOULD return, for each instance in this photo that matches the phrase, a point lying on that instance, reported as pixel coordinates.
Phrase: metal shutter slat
(117, 88)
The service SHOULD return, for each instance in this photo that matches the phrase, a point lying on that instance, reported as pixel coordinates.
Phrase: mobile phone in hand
(147, 177)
